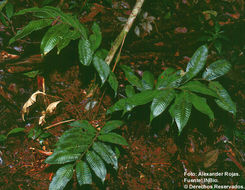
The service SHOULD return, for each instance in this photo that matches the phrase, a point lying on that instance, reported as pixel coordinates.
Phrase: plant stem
(124, 32)
(61, 122)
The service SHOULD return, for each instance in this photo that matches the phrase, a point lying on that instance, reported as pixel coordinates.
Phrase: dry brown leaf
(42, 118)
(51, 107)
(210, 158)
(30, 102)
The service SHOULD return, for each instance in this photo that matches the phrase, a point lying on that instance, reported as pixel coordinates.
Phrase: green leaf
(95, 38)
(148, 80)
(216, 69)
(85, 51)
(118, 106)
(3, 138)
(113, 82)
(113, 138)
(96, 164)
(62, 157)
(129, 91)
(196, 64)
(201, 105)
(167, 78)
(32, 74)
(102, 68)
(141, 98)
(62, 177)
(83, 172)
(2, 4)
(106, 153)
(9, 10)
(70, 35)
(15, 130)
(181, 110)
(31, 27)
(52, 37)
(110, 126)
(84, 125)
(196, 86)
(224, 100)
(131, 77)
(161, 102)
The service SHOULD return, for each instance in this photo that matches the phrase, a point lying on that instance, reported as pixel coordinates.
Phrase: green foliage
(13, 131)
(179, 90)
(63, 29)
(87, 150)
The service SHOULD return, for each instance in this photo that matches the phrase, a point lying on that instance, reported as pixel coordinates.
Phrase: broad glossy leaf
(201, 105)
(196, 63)
(148, 80)
(168, 78)
(113, 138)
(84, 125)
(112, 80)
(102, 68)
(83, 172)
(141, 98)
(85, 51)
(181, 110)
(29, 28)
(129, 91)
(118, 106)
(70, 35)
(62, 157)
(15, 130)
(131, 77)
(95, 38)
(96, 164)
(52, 37)
(106, 153)
(216, 69)
(110, 126)
(196, 86)
(224, 100)
(62, 177)
(161, 102)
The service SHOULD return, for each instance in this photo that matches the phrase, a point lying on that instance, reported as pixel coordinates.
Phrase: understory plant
(178, 90)
(87, 151)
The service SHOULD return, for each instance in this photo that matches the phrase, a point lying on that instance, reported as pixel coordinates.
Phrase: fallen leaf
(42, 118)
(180, 30)
(30, 102)
(210, 158)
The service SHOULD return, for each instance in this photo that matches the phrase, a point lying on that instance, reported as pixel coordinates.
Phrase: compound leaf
(216, 69)
(161, 102)
(106, 153)
(148, 80)
(62, 177)
(201, 105)
(224, 100)
(62, 157)
(83, 172)
(131, 77)
(110, 126)
(196, 86)
(96, 164)
(181, 110)
(113, 138)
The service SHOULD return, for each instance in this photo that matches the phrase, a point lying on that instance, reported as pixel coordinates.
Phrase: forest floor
(156, 158)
